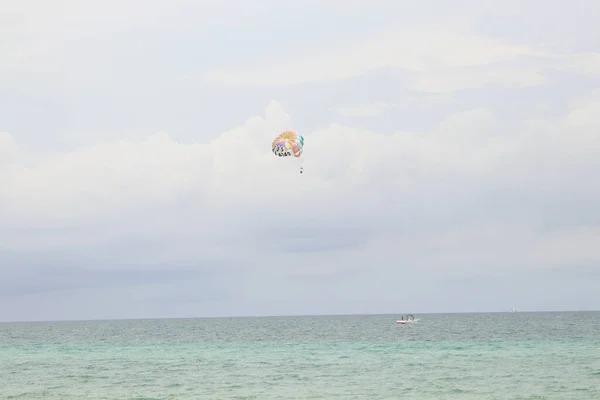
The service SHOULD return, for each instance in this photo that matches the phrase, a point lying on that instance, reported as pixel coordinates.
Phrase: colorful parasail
(287, 144)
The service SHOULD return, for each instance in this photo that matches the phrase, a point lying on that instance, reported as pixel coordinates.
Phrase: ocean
(442, 356)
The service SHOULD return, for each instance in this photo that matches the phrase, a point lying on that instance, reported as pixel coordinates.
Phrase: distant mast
(514, 309)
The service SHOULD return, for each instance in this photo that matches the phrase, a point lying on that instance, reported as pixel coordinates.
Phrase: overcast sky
(451, 157)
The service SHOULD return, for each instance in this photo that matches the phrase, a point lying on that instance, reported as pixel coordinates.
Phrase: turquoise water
(450, 356)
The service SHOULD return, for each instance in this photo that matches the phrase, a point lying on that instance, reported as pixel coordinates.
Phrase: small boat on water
(406, 320)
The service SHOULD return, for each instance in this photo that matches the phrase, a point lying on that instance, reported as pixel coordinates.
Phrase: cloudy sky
(451, 158)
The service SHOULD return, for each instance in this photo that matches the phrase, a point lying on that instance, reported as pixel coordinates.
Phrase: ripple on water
(476, 356)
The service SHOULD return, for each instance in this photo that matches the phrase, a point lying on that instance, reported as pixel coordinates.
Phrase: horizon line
(287, 316)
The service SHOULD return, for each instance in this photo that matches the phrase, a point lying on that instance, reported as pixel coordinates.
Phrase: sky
(449, 163)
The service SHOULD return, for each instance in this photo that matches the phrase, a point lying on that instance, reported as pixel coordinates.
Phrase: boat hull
(404, 322)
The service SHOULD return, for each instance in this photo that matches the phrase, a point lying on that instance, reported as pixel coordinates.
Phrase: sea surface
(445, 356)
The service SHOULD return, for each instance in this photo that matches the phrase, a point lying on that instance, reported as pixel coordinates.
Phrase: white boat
(410, 319)
(403, 321)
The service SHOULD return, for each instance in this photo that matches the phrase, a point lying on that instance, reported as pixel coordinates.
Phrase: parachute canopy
(287, 144)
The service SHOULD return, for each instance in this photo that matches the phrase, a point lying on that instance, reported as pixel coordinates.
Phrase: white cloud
(461, 183)
(581, 63)
(364, 110)
(8, 149)
(416, 50)
(349, 173)
(452, 80)
(37, 30)
(75, 38)
(424, 101)
(571, 247)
